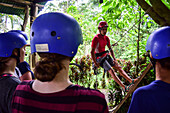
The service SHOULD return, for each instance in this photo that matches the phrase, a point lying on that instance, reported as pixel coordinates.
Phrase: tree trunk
(158, 11)
(161, 10)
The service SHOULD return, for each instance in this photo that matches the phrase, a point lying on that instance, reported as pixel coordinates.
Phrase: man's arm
(25, 70)
(93, 57)
(24, 66)
(26, 76)
(111, 51)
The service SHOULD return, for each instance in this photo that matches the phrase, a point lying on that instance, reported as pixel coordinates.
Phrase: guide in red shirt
(101, 57)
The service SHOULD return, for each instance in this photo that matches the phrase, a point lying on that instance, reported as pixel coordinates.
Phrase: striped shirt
(74, 99)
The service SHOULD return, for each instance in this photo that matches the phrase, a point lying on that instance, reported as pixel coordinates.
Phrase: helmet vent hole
(53, 33)
(32, 34)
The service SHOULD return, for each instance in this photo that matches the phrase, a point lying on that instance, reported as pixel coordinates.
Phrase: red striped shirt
(74, 99)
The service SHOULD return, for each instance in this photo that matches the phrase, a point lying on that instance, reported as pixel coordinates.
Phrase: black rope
(132, 26)
(81, 69)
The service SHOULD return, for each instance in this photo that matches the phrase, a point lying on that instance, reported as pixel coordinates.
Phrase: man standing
(155, 97)
(100, 57)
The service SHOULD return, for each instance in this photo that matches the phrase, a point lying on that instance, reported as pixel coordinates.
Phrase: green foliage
(123, 19)
(82, 75)
(87, 78)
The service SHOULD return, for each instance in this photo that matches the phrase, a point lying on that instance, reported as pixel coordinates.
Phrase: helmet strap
(17, 57)
(153, 61)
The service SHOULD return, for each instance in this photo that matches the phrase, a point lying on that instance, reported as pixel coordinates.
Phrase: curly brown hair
(48, 66)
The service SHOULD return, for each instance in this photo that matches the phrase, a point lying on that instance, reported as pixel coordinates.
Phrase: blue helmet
(159, 43)
(11, 40)
(56, 33)
(21, 32)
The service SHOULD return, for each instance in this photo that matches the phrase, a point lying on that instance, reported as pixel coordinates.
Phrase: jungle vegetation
(130, 24)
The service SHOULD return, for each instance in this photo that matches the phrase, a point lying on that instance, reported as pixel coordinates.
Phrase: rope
(147, 11)
(77, 66)
(115, 109)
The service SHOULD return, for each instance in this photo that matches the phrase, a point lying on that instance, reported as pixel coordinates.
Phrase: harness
(103, 58)
(100, 54)
(102, 61)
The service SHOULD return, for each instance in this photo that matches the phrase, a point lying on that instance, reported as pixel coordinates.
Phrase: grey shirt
(7, 88)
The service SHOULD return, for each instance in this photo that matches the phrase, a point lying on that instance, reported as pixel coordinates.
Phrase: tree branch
(27, 2)
(145, 6)
(161, 9)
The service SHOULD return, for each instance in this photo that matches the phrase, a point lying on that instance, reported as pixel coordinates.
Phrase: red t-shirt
(99, 42)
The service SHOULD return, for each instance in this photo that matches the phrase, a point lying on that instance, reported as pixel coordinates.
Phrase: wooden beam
(25, 18)
(114, 110)
(12, 6)
(156, 17)
(37, 1)
(161, 9)
(25, 3)
(33, 14)
(21, 2)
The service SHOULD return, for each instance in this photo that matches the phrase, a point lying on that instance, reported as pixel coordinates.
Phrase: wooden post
(25, 18)
(33, 13)
(137, 63)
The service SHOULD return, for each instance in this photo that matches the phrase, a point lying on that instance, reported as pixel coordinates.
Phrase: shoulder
(95, 40)
(145, 91)
(89, 99)
(12, 80)
(154, 88)
(23, 85)
(96, 37)
(106, 37)
(144, 98)
(8, 84)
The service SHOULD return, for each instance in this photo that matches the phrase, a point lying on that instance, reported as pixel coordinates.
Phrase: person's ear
(151, 55)
(15, 52)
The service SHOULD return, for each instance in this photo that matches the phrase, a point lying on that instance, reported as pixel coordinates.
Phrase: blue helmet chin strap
(17, 57)
(153, 61)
